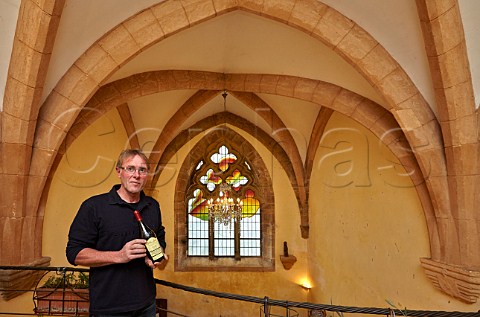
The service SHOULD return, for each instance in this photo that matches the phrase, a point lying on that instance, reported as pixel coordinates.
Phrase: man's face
(133, 182)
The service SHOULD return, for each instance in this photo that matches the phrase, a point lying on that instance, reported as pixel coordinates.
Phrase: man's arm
(93, 258)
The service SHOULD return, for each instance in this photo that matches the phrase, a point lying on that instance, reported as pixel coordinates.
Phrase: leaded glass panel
(223, 173)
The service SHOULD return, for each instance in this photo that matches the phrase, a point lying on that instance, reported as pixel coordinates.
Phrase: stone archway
(368, 113)
(88, 73)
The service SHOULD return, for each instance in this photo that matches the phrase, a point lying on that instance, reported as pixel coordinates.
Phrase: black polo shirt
(105, 222)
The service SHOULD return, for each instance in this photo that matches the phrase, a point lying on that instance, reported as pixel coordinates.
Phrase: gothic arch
(366, 112)
(118, 46)
(329, 26)
(266, 262)
(204, 125)
(348, 39)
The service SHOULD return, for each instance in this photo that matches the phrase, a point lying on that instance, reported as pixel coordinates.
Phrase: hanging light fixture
(224, 209)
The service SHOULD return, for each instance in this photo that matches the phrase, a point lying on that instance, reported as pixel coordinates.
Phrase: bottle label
(154, 248)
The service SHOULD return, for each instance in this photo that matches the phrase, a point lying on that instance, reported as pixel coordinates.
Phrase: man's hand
(156, 264)
(134, 249)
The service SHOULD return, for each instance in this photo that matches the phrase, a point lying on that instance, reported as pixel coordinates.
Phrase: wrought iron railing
(62, 293)
(69, 282)
(321, 309)
(57, 291)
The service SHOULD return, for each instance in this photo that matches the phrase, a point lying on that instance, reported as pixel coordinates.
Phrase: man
(105, 236)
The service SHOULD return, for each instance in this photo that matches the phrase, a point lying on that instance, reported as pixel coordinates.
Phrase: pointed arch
(356, 46)
(267, 260)
(312, 17)
(213, 121)
(118, 46)
(368, 113)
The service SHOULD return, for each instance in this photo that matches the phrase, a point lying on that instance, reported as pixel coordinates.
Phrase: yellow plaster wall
(281, 284)
(88, 169)
(367, 227)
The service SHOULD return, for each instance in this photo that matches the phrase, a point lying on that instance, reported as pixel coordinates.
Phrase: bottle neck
(137, 215)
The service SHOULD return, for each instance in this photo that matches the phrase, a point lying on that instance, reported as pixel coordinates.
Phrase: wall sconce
(287, 260)
(306, 285)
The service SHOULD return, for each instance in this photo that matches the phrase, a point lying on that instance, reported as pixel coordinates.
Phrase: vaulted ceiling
(163, 65)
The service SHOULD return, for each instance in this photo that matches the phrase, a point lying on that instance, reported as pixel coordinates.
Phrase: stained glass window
(223, 173)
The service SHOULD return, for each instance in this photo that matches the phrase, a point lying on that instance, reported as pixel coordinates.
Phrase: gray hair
(125, 154)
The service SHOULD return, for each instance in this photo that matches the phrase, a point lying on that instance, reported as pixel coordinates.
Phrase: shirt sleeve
(83, 232)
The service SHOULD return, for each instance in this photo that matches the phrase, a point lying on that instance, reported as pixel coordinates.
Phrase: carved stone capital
(11, 281)
(288, 261)
(456, 281)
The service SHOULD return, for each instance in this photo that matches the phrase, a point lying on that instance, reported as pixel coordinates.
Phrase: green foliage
(79, 281)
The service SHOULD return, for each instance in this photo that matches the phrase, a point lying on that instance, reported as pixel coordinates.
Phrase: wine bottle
(154, 249)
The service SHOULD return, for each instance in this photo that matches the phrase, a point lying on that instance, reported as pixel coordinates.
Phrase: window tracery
(249, 180)
(223, 174)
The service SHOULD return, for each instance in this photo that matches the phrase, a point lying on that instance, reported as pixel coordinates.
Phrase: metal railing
(65, 280)
(322, 308)
(57, 291)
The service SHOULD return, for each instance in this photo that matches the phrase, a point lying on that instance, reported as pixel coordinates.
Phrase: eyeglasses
(131, 170)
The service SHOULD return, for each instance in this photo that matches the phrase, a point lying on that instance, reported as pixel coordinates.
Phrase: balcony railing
(73, 300)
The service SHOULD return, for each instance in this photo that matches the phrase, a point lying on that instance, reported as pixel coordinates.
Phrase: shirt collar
(115, 198)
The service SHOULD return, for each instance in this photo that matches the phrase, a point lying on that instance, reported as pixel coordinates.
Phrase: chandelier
(225, 209)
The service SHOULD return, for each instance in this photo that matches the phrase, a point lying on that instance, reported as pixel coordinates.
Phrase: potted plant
(66, 293)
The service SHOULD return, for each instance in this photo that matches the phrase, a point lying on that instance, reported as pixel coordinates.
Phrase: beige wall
(88, 169)
(367, 227)
(365, 242)
(281, 284)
